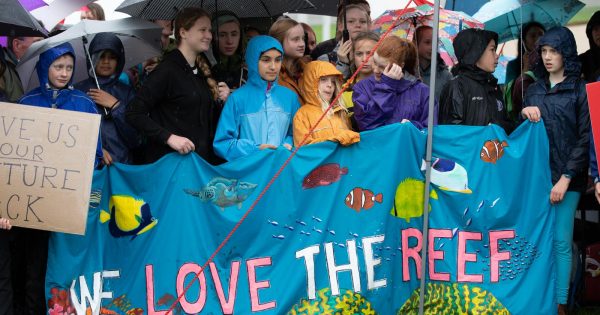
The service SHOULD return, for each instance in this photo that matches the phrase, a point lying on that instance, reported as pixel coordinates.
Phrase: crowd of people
(226, 91)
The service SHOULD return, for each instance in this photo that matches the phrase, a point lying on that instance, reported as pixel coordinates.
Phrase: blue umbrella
(468, 7)
(506, 17)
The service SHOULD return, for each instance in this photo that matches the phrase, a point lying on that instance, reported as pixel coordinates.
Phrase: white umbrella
(141, 41)
(53, 13)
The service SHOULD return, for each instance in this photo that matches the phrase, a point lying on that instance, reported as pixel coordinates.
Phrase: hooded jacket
(564, 110)
(472, 97)
(67, 98)
(259, 112)
(590, 59)
(389, 101)
(174, 101)
(118, 137)
(334, 126)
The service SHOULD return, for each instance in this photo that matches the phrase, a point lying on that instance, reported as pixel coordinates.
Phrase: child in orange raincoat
(320, 84)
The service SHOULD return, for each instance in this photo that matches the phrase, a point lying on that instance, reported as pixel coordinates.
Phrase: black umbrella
(168, 9)
(320, 7)
(16, 21)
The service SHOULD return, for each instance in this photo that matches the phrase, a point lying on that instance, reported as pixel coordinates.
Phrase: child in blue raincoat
(258, 115)
(55, 70)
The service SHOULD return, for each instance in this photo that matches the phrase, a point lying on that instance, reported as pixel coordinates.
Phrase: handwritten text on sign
(46, 166)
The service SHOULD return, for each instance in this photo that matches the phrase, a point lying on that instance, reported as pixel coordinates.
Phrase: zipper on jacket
(54, 97)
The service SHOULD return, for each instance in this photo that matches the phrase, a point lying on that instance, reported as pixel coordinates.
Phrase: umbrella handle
(84, 41)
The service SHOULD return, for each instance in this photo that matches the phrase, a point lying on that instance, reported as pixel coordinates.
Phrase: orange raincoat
(333, 127)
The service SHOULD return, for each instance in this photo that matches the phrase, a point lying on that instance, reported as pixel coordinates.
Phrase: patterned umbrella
(506, 17)
(451, 23)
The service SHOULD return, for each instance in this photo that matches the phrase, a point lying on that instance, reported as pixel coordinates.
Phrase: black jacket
(174, 100)
(564, 110)
(472, 97)
(230, 70)
(590, 59)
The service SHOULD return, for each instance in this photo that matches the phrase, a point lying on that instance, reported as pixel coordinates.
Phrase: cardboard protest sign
(46, 167)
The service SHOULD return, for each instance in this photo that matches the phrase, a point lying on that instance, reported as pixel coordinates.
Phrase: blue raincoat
(259, 112)
(67, 98)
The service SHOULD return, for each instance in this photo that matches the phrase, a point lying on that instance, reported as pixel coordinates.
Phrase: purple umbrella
(31, 5)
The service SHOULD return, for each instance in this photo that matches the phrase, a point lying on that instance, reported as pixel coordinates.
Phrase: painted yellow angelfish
(128, 216)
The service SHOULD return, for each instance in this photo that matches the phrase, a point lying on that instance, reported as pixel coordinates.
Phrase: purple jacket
(387, 102)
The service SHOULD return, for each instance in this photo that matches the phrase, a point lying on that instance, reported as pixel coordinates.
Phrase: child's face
(553, 60)
(379, 65)
(362, 49)
(357, 21)
(425, 43)
(269, 65)
(60, 72)
(107, 65)
(532, 36)
(199, 36)
(327, 87)
(229, 38)
(489, 59)
(293, 44)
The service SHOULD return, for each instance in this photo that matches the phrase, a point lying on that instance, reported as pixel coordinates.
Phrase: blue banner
(339, 232)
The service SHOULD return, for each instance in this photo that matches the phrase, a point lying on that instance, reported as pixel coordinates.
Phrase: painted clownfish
(359, 198)
(493, 150)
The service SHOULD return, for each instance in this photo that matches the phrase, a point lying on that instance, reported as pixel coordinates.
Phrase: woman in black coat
(175, 109)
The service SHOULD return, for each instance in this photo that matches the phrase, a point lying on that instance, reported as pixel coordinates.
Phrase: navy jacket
(118, 137)
(564, 109)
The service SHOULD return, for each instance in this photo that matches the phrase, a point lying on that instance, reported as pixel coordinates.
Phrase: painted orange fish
(359, 198)
(493, 150)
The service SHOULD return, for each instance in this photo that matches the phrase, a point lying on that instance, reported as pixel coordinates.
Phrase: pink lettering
(495, 255)
(464, 257)
(254, 285)
(196, 270)
(434, 255)
(411, 252)
(226, 305)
